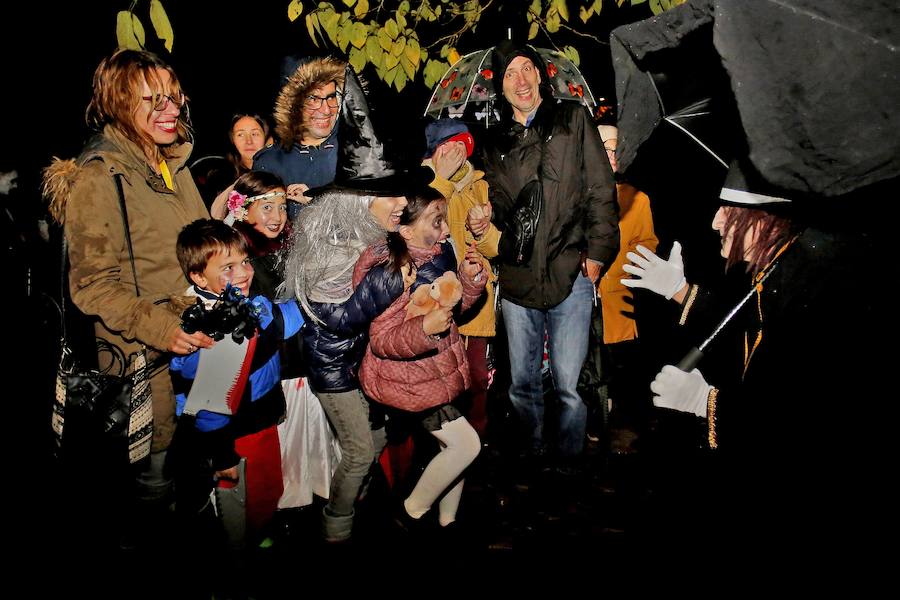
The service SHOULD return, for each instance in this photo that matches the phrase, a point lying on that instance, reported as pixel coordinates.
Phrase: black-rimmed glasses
(161, 101)
(313, 102)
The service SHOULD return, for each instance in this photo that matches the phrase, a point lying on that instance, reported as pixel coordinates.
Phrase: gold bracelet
(711, 417)
(688, 303)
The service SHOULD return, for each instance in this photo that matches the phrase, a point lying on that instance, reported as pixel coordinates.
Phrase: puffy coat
(334, 348)
(405, 368)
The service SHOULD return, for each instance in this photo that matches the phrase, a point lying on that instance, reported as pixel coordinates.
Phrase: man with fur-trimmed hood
(306, 114)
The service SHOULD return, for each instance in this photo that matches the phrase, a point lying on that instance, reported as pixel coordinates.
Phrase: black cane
(694, 355)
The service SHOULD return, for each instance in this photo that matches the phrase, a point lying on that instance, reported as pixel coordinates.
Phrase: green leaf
(585, 13)
(391, 60)
(533, 30)
(392, 30)
(562, 9)
(437, 11)
(344, 33)
(655, 8)
(400, 80)
(598, 4)
(362, 7)
(535, 7)
(403, 9)
(312, 26)
(636, 2)
(408, 67)
(413, 52)
(552, 21)
(391, 74)
(295, 9)
(349, 2)
(330, 25)
(358, 34)
(445, 50)
(161, 25)
(384, 40)
(399, 46)
(401, 22)
(572, 54)
(373, 50)
(357, 59)
(129, 31)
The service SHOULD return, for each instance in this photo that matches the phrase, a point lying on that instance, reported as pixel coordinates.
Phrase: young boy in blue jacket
(208, 445)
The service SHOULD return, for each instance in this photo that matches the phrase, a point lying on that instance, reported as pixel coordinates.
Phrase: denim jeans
(567, 325)
(348, 413)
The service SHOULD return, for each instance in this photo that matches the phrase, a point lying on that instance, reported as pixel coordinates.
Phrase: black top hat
(362, 165)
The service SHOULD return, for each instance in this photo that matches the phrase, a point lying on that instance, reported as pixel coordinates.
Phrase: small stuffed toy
(445, 291)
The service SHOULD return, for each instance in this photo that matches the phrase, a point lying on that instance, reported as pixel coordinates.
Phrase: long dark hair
(774, 229)
(233, 156)
(417, 202)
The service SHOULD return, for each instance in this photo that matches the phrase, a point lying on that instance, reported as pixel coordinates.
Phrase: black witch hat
(362, 165)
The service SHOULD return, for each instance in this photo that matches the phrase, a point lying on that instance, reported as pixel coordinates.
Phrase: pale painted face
(224, 267)
(430, 228)
(387, 211)
(161, 125)
(248, 137)
(521, 89)
(269, 215)
(319, 121)
(750, 237)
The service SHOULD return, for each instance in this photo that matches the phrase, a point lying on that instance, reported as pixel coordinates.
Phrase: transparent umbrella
(468, 85)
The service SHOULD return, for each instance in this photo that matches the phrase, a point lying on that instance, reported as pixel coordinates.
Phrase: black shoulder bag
(517, 241)
(111, 409)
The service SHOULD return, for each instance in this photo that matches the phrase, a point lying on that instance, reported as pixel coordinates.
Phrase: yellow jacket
(471, 189)
(635, 227)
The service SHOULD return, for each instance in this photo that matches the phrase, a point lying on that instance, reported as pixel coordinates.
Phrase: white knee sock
(459, 447)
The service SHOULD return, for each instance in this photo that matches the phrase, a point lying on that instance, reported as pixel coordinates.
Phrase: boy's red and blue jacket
(262, 403)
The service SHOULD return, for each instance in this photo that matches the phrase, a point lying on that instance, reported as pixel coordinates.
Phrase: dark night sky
(227, 54)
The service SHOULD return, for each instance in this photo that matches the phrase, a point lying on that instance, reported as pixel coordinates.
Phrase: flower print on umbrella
(469, 81)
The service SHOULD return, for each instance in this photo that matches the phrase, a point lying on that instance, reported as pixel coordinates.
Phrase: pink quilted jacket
(407, 369)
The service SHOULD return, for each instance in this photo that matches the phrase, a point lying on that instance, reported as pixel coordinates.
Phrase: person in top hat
(358, 209)
(448, 147)
(577, 235)
(792, 374)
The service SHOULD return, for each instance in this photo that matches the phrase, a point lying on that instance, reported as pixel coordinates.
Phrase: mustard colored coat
(462, 195)
(635, 227)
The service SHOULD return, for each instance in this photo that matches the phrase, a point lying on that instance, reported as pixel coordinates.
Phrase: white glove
(655, 274)
(685, 392)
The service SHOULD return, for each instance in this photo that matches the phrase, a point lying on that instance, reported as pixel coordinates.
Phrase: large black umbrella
(814, 83)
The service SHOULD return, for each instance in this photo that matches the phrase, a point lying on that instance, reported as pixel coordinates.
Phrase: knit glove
(685, 392)
(655, 274)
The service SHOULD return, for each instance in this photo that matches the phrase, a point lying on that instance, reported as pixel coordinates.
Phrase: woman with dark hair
(418, 366)
(139, 157)
(247, 135)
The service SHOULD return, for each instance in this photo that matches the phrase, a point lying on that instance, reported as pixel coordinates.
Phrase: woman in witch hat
(362, 205)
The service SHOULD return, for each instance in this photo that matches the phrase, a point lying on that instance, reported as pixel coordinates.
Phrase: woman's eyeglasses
(313, 102)
(160, 102)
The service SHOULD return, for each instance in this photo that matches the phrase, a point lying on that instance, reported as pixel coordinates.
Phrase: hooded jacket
(291, 160)
(83, 197)
(579, 212)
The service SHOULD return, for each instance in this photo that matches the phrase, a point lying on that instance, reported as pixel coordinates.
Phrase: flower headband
(238, 203)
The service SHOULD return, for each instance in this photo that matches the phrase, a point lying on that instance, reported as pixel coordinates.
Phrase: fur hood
(310, 74)
(119, 154)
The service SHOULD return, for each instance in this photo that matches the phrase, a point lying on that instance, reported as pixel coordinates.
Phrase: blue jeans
(567, 326)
